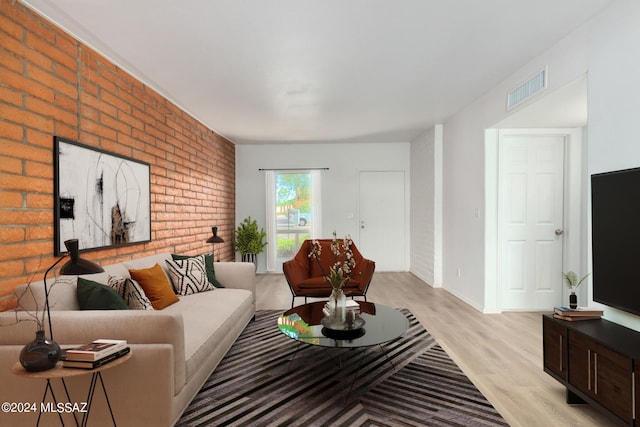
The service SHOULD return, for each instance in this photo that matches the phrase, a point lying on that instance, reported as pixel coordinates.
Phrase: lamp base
(40, 355)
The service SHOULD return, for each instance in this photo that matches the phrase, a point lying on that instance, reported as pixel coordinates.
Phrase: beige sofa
(174, 350)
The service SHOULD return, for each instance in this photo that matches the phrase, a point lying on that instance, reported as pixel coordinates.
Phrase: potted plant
(249, 241)
(571, 279)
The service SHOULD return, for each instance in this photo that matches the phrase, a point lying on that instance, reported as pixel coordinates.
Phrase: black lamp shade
(215, 238)
(77, 265)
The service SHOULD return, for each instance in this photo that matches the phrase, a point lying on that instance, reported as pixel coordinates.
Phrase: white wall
(339, 183)
(464, 195)
(608, 49)
(464, 175)
(614, 101)
(426, 206)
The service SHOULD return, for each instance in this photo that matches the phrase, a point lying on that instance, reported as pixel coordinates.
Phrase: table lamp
(43, 354)
(213, 240)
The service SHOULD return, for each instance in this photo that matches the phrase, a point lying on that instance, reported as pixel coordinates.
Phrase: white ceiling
(320, 70)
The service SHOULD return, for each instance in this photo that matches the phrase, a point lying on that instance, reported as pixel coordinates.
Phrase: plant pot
(251, 258)
(573, 300)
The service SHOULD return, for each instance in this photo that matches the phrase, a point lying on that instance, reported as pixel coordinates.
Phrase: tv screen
(615, 218)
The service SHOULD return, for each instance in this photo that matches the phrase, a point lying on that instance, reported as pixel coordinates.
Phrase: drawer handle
(588, 369)
(633, 395)
(560, 352)
(595, 375)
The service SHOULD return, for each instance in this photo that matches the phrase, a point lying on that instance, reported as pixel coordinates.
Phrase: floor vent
(527, 89)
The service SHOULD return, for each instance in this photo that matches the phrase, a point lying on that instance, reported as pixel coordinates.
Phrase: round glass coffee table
(381, 324)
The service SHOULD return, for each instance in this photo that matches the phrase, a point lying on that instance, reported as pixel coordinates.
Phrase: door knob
(559, 232)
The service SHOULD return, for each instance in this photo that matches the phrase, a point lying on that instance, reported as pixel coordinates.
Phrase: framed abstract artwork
(100, 198)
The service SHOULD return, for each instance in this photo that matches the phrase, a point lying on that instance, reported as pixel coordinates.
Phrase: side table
(58, 372)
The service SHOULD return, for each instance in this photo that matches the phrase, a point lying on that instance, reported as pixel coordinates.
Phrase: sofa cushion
(188, 275)
(131, 292)
(96, 296)
(155, 285)
(209, 265)
(226, 312)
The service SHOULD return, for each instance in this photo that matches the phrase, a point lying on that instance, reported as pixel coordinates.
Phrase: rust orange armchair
(305, 275)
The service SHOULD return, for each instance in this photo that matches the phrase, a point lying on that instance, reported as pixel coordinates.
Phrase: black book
(96, 363)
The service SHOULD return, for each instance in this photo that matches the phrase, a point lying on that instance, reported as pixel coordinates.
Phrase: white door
(382, 219)
(530, 204)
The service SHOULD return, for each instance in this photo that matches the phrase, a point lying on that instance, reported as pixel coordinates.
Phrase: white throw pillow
(189, 276)
(131, 292)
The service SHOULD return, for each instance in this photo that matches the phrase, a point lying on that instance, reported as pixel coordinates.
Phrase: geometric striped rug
(268, 379)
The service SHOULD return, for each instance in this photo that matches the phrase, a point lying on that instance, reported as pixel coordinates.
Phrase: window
(293, 206)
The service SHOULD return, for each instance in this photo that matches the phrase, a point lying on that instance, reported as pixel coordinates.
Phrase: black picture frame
(100, 198)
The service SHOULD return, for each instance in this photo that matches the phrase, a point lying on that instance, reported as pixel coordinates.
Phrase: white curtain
(270, 209)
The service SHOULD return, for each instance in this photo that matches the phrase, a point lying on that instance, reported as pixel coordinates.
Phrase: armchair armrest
(364, 269)
(294, 271)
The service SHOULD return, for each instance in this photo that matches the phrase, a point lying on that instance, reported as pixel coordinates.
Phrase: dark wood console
(598, 362)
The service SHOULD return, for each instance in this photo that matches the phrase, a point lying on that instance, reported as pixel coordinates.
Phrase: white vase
(338, 308)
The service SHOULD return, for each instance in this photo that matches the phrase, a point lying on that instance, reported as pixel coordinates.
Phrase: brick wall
(51, 84)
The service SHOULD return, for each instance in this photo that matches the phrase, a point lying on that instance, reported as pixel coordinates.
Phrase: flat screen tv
(615, 217)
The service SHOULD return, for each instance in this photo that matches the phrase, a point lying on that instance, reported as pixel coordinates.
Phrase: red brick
(11, 28)
(50, 110)
(23, 183)
(10, 165)
(39, 232)
(12, 235)
(31, 87)
(10, 199)
(50, 80)
(66, 131)
(16, 251)
(24, 151)
(68, 74)
(40, 170)
(50, 50)
(11, 131)
(32, 21)
(40, 201)
(10, 96)
(22, 51)
(116, 148)
(66, 103)
(115, 124)
(10, 62)
(94, 102)
(41, 139)
(98, 129)
(19, 116)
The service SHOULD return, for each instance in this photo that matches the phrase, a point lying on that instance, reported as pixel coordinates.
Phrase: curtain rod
(292, 169)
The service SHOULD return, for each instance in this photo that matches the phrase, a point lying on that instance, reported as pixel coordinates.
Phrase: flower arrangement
(571, 279)
(343, 261)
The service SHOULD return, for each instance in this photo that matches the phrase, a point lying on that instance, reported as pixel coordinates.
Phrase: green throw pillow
(208, 264)
(95, 296)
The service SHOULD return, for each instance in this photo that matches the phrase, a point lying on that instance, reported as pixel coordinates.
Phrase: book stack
(351, 306)
(574, 314)
(94, 354)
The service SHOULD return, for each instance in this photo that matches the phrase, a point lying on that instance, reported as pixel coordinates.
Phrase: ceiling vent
(527, 89)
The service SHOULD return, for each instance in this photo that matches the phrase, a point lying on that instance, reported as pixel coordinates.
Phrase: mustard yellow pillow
(156, 286)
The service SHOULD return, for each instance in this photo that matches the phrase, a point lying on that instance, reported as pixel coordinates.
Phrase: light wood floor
(500, 353)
